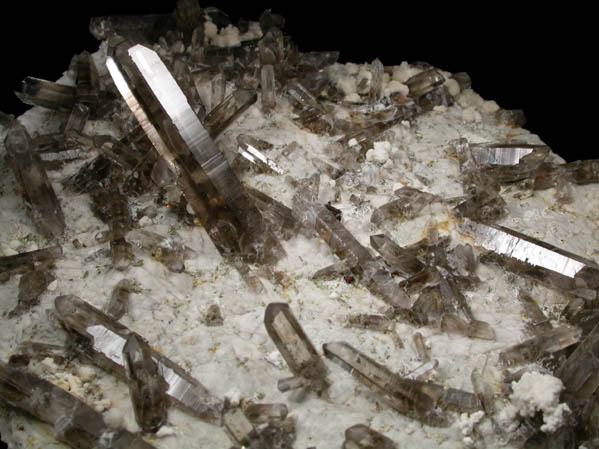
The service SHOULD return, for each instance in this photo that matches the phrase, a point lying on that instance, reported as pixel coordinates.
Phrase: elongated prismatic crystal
(360, 436)
(102, 339)
(533, 258)
(74, 422)
(210, 186)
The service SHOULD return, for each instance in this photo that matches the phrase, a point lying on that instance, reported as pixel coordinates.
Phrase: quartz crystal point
(248, 150)
(484, 205)
(77, 119)
(38, 92)
(580, 372)
(370, 321)
(413, 398)
(422, 351)
(118, 304)
(35, 186)
(536, 347)
(74, 422)
(295, 347)
(228, 110)
(23, 262)
(31, 286)
(204, 176)
(101, 339)
(374, 274)
(408, 205)
(536, 321)
(533, 258)
(376, 83)
(424, 82)
(265, 413)
(167, 250)
(399, 260)
(360, 436)
(146, 387)
(279, 217)
(241, 429)
(267, 85)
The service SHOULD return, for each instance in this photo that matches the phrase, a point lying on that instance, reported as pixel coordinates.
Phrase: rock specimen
(363, 437)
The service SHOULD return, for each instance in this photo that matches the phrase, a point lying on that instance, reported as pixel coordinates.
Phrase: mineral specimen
(295, 347)
(31, 285)
(44, 93)
(409, 203)
(544, 343)
(23, 262)
(36, 189)
(360, 436)
(118, 304)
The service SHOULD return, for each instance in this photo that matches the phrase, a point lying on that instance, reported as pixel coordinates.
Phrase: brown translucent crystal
(24, 262)
(360, 436)
(407, 206)
(400, 261)
(370, 321)
(535, 319)
(294, 345)
(146, 387)
(264, 413)
(228, 110)
(118, 304)
(267, 85)
(541, 344)
(31, 286)
(38, 92)
(424, 82)
(169, 251)
(37, 191)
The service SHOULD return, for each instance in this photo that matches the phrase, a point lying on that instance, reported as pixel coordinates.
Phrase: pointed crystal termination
(120, 223)
(409, 397)
(279, 217)
(75, 423)
(228, 110)
(249, 277)
(146, 387)
(101, 339)
(295, 347)
(363, 437)
(87, 79)
(370, 321)
(535, 319)
(407, 206)
(36, 189)
(265, 413)
(399, 260)
(533, 258)
(424, 82)
(484, 205)
(31, 286)
(24, 262)
(167, 250)
(118, 304)
(6, 120)
(376, 85)
(210, 186)
(536, 347)
(267, 86)
(374, 274)
(252, 154)
(38, 92)
(77, 119)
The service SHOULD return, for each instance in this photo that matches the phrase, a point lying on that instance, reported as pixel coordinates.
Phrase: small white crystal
(490, 107)
(453, 87)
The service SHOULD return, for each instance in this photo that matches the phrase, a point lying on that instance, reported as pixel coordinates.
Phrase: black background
(539, 60)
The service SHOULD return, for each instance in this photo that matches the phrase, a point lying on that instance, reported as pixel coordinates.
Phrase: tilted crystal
(211, 188)
(118, 304)
(577, 172)
(35, 350)
(422, 351)
(169, 251)
(294, 345)
(533, 258)
(253, 154)
(376, 83)
(360, 436)
(424, 371)
(264, 413)
(267, 85)
(428, 307)
(370, 321)
(23, 262)
(580, 372)
(31, 286)
(535, 319)
(473, 328)
(37, 191)
(218, 88)
(536, 347)
(249, 277)
(38, 92)
(74, 422)
(101, 339)
(484, 205)
(279, 217)
(408, 205)
(146, 387)
(424, 82)
(77, 119)
(400, 261)
(224, 113)
(87, 79)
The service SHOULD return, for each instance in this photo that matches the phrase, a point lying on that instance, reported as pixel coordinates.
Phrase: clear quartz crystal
(360, 436)
(74, 422)
(101, 339)
(37, 191)
(267, 85)
(400, 261)
(541, 344)
(406, 206)
(146, 387)
(294, 345)
(228, 110)
(248, 150)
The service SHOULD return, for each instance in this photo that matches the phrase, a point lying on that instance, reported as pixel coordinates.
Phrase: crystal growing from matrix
(542, 344)
(294, 345)
(360, 436)
(31, 285)
(146, 387)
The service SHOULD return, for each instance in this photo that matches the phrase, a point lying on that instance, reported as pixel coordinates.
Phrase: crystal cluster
(178, 142)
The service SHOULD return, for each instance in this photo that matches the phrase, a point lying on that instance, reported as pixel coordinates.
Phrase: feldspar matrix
(225, 240)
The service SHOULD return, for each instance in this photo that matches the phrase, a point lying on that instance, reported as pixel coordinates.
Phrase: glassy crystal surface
(360, 436)
(23, 262)
(35, 350)
(408, 205)
(169, 251)
(370, 321)
(264, 413)
(249, 277)
(376, 83)
(544, 343)
(535, 319)
(248, 150)
(31, 285)
(533, 258)
(424, 82)
(37, 191)
(267, 84)
(228, 110)
(146, 387)
(400, 261)
(473, 328)
(74, 422)
(424, 371)
(101, 339)
(421, 349)
(294, 345)
(6, 120)
(38, 92)
(484, 205)
(118, 304)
